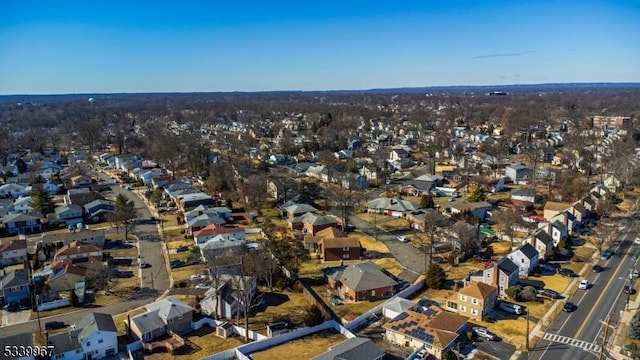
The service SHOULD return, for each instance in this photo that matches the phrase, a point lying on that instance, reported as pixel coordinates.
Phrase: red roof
(537, 218)
(213, 231)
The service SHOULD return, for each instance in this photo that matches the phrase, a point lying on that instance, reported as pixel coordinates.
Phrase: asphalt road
(155, 280)
(603, 300)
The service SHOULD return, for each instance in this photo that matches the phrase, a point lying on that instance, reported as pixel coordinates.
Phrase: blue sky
(161, 46)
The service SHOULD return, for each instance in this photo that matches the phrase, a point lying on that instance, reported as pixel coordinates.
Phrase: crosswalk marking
(573, 342)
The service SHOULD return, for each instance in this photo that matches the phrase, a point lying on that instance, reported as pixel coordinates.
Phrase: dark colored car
(628, 289)
(182, 248)
(54, 325)
(177, 263)
(569, 307)
(597, 268)
(565, 272)
(548, 293)
(144, 265)
(606, 255)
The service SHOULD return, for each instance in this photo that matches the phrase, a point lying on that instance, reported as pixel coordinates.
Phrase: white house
(12, 190)
(95, 336)
(22, 205)
(217, 233)
(525, 257)
(230, 299)
(557, 230)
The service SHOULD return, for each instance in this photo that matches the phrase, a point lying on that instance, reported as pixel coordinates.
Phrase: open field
(304, 348)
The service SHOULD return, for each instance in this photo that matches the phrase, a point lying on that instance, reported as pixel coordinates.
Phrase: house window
(463, 308)
(88, 343)
(474, 311)
(345, 249)
(463, 297)
(345, 256)
(373, 292)
(474, 301)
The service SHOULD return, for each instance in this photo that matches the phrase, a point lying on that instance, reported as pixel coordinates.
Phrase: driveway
(12, 318)
(411, 258)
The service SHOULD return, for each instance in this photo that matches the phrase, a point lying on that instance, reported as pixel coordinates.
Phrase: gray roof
(65, 342)
(300, 208)
(14, 278)
(18, 217)
(363, 276)
(313, 219)
(149, 321)
(169, 308)
(95, 322)
(353, 349)
(528, 251)
(506, 265)
(393, 204)
(544, 237)
(206, 219)
(399, 304)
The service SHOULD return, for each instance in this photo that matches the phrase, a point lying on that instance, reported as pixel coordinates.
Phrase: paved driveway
(12, 318)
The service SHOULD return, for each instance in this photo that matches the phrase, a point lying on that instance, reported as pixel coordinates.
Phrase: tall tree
(125, 214)
(436, 277)
(41, 200)
(508, 218)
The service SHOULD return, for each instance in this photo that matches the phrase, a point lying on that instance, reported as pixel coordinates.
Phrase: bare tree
(508, 218)
(467, 237)
(344, 202)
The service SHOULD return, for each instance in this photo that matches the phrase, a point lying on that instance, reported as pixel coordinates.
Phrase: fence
(196, 325)
(321, 305)
(54, 304)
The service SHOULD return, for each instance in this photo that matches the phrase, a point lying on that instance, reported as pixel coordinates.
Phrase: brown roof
(331, 232)
(309, 239)
(213, 230)
(343, 242)
(478, 290)
(75, 248)
(13, 245)
(440, 326)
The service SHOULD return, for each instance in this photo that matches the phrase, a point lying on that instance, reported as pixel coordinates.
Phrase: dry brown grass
(303, 348)
(184, 273)
(437, 295)
(460, 271)
(206, 343)
(120, 319)
(512, 331)
(501, 247)
(370, 243)
(293, 309)
(389, 264)
(395, 224)
(556, 282)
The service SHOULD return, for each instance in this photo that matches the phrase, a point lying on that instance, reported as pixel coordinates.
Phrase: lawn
(205, 342)
(355, 309)
(125, 286)
(130, 252)
(501, 247)
(460, 271)
(389, 264)
(303, 348)
(556, 282)
(184, 273)
(313, 268)
(370, 243)
(511, 330)
(584, 252)
(284, 305)
(179, 242)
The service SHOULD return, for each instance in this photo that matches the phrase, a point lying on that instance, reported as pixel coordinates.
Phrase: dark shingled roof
(528, 251)
(363, 276)
(353, 349)
(507, 265)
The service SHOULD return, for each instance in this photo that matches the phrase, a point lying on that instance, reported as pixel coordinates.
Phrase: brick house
(363, 281)
(341, 248)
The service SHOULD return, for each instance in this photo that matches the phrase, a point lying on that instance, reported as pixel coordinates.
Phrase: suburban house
(99, 210)
(205, 219)
(69, 215)
(434, 330)
(362, 281)
(525, 194)
(476, 300)
(356, 348)
(13, 252)
(22, 205)
(556, 229)
(77, 250)
(218, 233)
(416, 187)
(312, 223)
(191, 201)
(390, 206)
(519, 174)
(14, 286)
(612, 183)
(80, 181)
(94, 336)
(542, 242)
(354, 181)
(22, 224)
(226, 301)
(331, 244)
(477, 209)
(372, 172)
(502, 275)
(81, 196)
(12, 191)
(67, 273)
(163, 317)
(296, 210)
(526, 258)
(6, 205)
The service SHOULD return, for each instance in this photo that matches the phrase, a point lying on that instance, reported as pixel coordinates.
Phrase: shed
(396, 306)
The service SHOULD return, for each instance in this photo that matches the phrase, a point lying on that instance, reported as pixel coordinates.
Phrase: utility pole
(604, 339)
(527, 338)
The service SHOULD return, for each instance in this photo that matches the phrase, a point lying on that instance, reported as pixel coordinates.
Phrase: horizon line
(328, 90)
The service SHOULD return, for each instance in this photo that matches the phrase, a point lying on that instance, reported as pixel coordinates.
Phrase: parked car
(607, 255)
(177, 263)
(548, 293)
(635, 273)
(54, 325)
(203, 287)
(182, 248)
(569, 307)
(144, 265)
(597, 268)
(584, 284)
(403, 239)
(510, 308)
(628, 289)
(421, 355)
(198, 277)
(637, 240)
(484, 333)
(565, 272)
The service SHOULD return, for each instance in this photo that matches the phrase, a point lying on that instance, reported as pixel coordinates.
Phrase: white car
(403, 239)
(637, 240)
(203, 287)
(584, 284)
(198, 277)
(421, 355)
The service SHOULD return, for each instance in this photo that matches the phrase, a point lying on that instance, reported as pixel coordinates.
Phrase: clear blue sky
(159, 46)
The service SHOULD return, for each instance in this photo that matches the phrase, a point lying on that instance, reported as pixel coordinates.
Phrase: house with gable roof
(526, 257)
(14, 286)
(94, 336)
(476, 300)
(21, 224)
(435, 330)
(356, 348)
(221, 234)
(502, 275)
(360, 282)
(162, 317)
(312, 223)
(13, 252)
(390, 206)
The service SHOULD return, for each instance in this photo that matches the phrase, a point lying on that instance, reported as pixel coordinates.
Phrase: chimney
(566, 219)
(129, 326)
(549, 228)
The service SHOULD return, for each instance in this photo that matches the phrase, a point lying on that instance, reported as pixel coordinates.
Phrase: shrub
(513, 291)
(634, 326)
(528, 294)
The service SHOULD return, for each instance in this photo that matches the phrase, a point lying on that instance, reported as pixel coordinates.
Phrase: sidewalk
(622, 329)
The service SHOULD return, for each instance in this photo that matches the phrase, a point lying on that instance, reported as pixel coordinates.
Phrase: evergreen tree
(41, 200)
(426, 202)
(125, 214)
(436, 277)
(156, 196)
(634, 326)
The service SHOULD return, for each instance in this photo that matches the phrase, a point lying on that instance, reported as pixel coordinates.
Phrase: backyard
(201, 343)
(303, 348)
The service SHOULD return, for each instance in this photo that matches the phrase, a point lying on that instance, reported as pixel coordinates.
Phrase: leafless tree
(508, 219)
